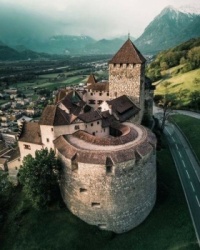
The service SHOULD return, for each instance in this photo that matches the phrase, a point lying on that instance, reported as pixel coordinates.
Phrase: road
(187, 168)
(188, 113)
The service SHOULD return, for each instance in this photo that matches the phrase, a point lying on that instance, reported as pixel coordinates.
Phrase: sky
(96, 18)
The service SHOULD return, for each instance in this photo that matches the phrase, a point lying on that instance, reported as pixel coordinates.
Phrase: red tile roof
(128, 53)
(91, 79)
(31, 133)
(99, 86)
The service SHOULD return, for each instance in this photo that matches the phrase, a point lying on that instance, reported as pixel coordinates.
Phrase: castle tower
(127, 75)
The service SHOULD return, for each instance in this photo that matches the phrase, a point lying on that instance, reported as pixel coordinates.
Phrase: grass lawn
(168, 226)
(191, 128)
(179, 83)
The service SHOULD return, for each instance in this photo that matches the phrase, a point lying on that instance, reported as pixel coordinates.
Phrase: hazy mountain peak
(190, 9)
(169, 10)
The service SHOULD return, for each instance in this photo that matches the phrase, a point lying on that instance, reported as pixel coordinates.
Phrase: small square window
(96, 204)
(47, 139)
(91, 124)
(76, 127)
(26, 146)
(52, 129)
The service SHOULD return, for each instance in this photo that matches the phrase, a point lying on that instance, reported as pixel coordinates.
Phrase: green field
(179, 82)
(191, 128)
(167, 227)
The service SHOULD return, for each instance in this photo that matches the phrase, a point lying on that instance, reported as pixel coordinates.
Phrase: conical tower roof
(128, 53)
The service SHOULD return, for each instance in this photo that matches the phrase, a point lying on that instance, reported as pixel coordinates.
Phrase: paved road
(189, 172)
(188, 113)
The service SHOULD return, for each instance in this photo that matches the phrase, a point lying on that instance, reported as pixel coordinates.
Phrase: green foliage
(39, 177)
(191, 128)
(5, 195)
(186, 54)
(5, 186)
(195, 99)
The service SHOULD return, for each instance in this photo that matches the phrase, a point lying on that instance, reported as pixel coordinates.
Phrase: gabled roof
(31, 133)
(99, 86)
(128, 53)
(90, 116)
(91, 79)
(48, 115)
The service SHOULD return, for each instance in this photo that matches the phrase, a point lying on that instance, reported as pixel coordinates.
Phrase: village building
(108, 159)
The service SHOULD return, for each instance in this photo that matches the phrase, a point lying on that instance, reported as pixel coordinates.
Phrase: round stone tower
(109, 182)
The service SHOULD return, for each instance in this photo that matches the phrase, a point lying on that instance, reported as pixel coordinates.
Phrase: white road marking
(173, 139)
(197, 200)
(188, 174)
(168, 131)
(183, 164)
(192, 186)
(176, 146)
(180, 154)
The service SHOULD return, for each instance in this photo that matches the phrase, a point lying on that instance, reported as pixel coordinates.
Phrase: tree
(39, 177)
(195, 99)
(166, 102)
(5, 186)
(5, 195)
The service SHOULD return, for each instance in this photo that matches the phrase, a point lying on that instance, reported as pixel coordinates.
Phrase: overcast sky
(96, 18)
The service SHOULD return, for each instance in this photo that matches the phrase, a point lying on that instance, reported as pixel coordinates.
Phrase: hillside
(177, 72)
(169, 28)
(10, 54)
(186, 55)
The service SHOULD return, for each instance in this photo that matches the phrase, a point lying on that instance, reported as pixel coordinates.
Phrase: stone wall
(128, 80)
(113, 197)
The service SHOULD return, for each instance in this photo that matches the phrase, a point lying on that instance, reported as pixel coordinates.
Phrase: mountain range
(170, 28)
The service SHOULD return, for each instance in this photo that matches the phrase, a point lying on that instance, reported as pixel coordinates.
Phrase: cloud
(97, 18)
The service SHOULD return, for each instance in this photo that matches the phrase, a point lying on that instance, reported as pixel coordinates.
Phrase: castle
(108, 158)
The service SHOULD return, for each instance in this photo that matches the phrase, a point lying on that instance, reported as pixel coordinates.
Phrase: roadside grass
(167, 227)
(179, 82)
(191, 128)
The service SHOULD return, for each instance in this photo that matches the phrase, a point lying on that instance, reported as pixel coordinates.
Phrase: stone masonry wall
(116, 200)
(127, 80)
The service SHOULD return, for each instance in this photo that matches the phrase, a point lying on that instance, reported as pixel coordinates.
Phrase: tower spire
(128, 35)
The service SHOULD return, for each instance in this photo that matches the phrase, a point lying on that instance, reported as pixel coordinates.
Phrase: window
(76, 127)
(93, 133)
(91, 93)
(16, 168)
(47, 139)
(91, 124)
(109, 169)
(26, 146)
(96, 204)
(100, 93)
(52, 129)
(99, 101)
(91, 101)
(97, 122)
(74, 164)
(115, 94)
(83, 190)
(107, 94)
